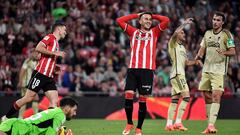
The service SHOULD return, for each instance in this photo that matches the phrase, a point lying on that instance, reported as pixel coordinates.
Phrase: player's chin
(148, 26)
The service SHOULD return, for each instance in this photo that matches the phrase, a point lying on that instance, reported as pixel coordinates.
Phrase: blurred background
(98, 50)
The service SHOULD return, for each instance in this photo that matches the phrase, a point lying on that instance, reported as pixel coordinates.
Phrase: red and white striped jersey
(143, 44)
(47, 63)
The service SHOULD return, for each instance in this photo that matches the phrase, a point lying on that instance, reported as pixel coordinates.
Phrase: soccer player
(217, 45)
(24, 76)
(178, 57)
(47, 122)
(42, 76)
(140, 72)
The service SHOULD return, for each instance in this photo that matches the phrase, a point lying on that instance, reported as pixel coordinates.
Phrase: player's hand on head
(140, 13)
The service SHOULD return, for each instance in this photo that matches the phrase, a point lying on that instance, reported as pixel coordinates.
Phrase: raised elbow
(118, 20)
(167, 20)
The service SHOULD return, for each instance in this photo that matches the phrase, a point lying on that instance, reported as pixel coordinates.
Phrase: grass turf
(150, 127)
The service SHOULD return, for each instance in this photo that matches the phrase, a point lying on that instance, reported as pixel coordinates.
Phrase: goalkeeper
(47, 122)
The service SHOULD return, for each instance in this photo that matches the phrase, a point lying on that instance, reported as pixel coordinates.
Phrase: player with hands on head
(143, 42)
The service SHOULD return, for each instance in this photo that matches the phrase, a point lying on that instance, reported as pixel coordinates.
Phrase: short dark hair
(57, 24)
(68, 101)
(149, 13)
(217, 13)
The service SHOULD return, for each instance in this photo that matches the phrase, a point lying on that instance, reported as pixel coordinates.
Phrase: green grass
(150, 127)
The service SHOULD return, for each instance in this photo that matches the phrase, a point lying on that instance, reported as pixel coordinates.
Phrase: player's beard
(147, 26)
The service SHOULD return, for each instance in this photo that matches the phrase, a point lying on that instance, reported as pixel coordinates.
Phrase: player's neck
(218, 30)
(56, 36)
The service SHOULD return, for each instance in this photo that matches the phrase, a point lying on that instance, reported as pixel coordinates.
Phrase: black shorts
(141, 79)
(39, 82)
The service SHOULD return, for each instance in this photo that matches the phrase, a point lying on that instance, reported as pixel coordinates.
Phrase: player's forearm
(200, 54)
(124, 19)
(164, 21)
(231, 52)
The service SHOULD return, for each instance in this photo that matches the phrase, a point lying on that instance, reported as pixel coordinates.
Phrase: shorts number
(35, 83)
(183, 82)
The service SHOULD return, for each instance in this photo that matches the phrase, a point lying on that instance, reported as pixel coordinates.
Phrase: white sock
(169, 122)
(178, 121)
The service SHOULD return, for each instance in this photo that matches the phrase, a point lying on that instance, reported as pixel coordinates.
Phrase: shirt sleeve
(58, 121)
(171, 43)
(46, 40)
(203, 42)
(122, 22)
(164, 22)
(230, 40)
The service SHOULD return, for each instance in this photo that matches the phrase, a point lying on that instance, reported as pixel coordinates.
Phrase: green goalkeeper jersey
(214, 62)
(48, 121)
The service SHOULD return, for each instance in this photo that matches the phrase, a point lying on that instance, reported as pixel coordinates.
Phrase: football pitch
(150, 127)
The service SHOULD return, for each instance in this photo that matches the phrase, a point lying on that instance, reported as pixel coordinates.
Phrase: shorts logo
(35, 83)
(147, 87)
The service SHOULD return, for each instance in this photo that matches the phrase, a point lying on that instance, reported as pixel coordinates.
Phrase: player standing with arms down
(217, 45)
(178, 56)
(47, 122)
(24, 76)
(141, 68)
(42, 76)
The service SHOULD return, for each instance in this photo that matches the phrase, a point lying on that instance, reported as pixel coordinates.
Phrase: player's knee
(28, 98)
(216, 98)
(129, 100)
(142, 98)
(186, 99)
(129, 95)
(207, 97)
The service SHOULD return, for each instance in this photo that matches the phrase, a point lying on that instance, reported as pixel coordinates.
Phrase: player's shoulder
(49, 37)
(210, 31)
(227, 33)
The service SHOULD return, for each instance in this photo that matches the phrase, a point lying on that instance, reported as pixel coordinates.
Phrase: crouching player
(47, 122)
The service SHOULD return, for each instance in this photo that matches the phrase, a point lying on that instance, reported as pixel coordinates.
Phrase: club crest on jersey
(142, 38)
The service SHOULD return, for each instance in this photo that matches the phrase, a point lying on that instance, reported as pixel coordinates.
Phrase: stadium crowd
(97, 50)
